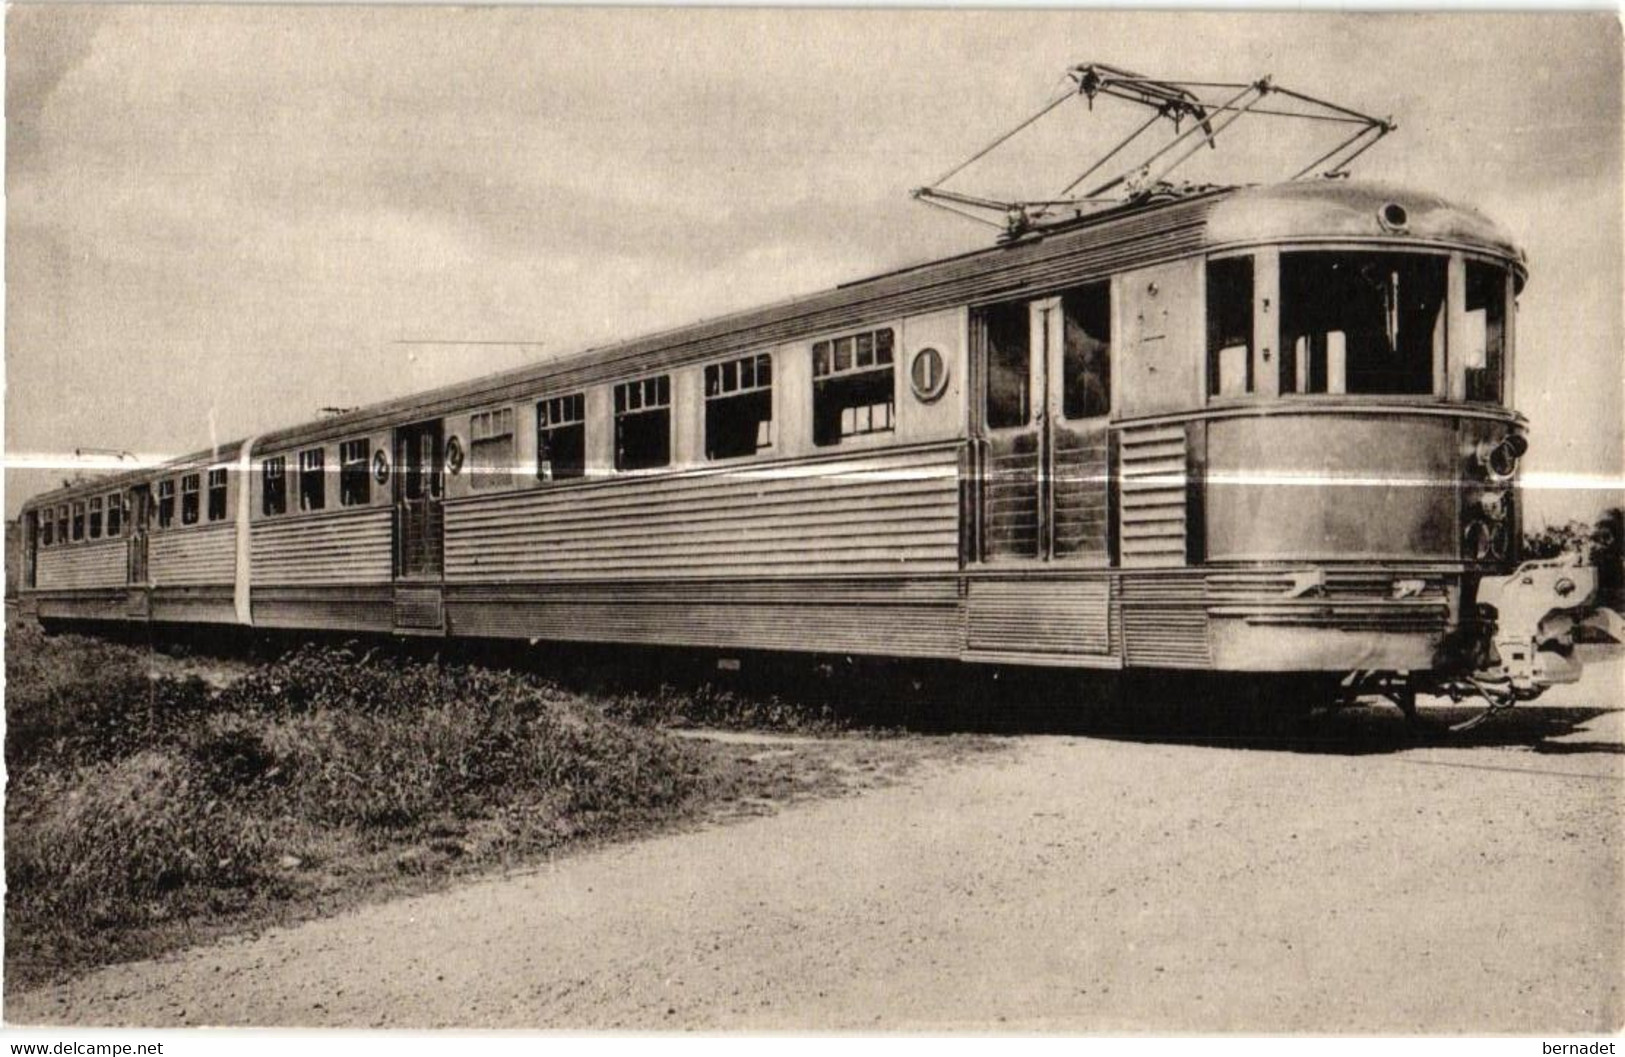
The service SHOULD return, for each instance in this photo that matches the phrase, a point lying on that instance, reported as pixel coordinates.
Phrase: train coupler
(1534, 613)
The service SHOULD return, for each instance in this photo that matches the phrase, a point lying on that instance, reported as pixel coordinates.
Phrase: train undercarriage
(1519, 642)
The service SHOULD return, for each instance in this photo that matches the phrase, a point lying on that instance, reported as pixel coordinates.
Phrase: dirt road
(1063, 883)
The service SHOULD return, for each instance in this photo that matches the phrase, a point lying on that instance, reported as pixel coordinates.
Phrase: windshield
(1484, 338)
(1362, 322)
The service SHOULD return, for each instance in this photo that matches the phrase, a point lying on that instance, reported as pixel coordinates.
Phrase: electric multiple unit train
(1238, 429)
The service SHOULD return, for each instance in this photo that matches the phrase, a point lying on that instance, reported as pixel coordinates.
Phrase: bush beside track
(148, 809)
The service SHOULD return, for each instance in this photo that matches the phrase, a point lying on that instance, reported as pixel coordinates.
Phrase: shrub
(711, 706)
(78, 700)
(119, 844)
(137, 798)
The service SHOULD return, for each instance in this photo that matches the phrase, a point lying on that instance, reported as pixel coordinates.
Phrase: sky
(221, 220)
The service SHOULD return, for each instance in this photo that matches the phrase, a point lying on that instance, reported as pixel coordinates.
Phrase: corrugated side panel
(1080, 493)
(365, 607)
(193, 556)
(904, 617)
(188, 605)
(1037, 616)
(884, 512)
(419, 607)
(1153, 483)
(1012, 504)
(345, 547)
(1165, 623)
(73, 568)
(103, 604)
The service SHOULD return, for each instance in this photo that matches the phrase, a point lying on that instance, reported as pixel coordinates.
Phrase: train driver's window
(643, 423)
(62, 523)
(561, 437)
(47, 527)
(312, 479)
(189, 498)
(854, 391)
(166, 502)
(491, 449)
(1486, 331)
(1006, 335)
(1086, 351)
(96, 518)
(739, 407)
(78, 522)
(115, 514)
(274, 486)
(1230, 326)
(217, 494)
(1361, 322)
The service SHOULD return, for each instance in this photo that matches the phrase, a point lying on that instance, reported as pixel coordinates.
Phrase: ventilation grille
(1154, 491)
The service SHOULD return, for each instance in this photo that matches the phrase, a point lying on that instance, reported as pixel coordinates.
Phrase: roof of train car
(1090, 246)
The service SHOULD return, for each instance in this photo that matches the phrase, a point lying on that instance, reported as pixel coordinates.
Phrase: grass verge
(148, 809)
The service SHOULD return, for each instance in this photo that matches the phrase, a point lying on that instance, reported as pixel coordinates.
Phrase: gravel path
(1066, 883)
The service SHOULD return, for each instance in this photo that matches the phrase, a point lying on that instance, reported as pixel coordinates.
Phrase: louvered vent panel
(1154, 491)
(1165, 622)
(1035, 616)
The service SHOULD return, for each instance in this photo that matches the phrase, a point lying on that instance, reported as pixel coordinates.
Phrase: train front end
(1359, 456)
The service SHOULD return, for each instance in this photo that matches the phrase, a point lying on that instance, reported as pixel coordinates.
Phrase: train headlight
(1484, 541)
(1500, 542)
(1500, 460)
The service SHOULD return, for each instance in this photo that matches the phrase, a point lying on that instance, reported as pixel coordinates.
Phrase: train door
(1013, 477)
(139, 516)
(138, 519)
(30, 550)
(420, 525)
(1046, 401)
(1043, 481)
(1078, 348)
(419, 490)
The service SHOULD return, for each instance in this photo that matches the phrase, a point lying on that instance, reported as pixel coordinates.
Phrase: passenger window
(115, 514)
(96, 518)
(355, 473)
(739, 407)
(47, 529)
(1086, 351)
(853, 389)
(1007, 337)
(62, 523)
(1361, 322)
(166, 502)
(189, 499)
(1230, 326)
(274, 486)
(78, 522)
(1486, 331)
(490, 449)
(217, 494)
(312, 479)
(643, 424)
(561, 437)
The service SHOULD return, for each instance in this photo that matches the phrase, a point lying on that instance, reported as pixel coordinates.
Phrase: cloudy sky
(220, 220)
